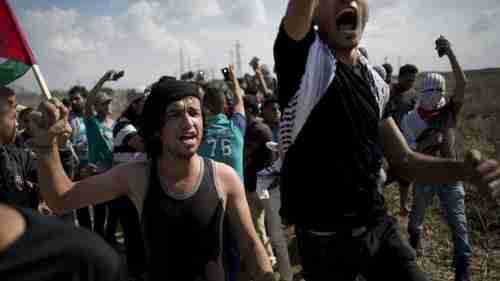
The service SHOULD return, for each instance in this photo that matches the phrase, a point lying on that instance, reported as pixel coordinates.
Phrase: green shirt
(100, 140)
(223, 140)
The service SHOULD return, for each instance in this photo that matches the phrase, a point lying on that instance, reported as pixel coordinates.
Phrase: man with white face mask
(430, 129)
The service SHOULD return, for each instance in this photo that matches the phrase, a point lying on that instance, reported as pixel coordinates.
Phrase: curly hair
(163, 93)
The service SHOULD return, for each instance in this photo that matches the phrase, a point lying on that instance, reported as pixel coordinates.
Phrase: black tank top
(183, 238)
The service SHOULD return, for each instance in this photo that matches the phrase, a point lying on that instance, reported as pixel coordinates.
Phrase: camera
(118, 75)
(225, 73)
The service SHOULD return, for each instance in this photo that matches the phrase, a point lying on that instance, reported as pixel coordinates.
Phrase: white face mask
(432, 100)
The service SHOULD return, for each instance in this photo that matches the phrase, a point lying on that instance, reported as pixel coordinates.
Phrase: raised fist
(50, 123)
(485, 175)
(113, 75)
(443, 46)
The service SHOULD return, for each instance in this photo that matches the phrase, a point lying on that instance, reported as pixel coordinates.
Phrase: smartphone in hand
(225, 73)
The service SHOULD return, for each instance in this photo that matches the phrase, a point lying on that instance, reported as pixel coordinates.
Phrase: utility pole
(181, 60)
(231, 56)
(188, 63)
(238, 58)
(197, 64)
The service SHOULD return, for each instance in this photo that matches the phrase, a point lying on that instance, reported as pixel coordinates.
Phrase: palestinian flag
(16, 57)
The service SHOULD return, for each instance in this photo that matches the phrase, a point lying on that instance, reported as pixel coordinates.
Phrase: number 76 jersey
(223, 140)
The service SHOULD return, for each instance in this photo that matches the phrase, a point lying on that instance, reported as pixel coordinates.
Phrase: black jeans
(100, 214)
(83, 217)
(378, 254)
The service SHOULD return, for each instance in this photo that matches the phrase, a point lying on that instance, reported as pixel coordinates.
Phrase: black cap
(163, 93)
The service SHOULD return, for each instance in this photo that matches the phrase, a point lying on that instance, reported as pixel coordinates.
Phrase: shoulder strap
(218, 188)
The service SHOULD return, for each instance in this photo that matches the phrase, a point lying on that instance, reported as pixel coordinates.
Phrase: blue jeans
(451, 198)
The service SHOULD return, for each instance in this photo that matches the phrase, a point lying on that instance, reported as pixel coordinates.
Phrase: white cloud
(144, 37)
(486, 21)
(243, 12)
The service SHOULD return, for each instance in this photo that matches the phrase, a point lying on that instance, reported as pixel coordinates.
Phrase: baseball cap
(432, 91)
(102, 97)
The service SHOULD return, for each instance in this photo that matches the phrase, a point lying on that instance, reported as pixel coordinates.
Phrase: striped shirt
(123, 132)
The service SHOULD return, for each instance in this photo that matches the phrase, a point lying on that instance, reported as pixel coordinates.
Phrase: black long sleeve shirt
(18, 175)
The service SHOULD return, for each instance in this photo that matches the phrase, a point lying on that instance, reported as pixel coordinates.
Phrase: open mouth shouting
(189, 138)
(347, 20)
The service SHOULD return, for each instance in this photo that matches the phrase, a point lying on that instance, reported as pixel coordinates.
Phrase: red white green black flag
(16, 57)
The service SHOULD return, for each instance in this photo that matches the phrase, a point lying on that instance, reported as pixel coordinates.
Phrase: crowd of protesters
(205, 176)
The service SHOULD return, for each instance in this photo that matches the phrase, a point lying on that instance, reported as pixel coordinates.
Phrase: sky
(75, 42)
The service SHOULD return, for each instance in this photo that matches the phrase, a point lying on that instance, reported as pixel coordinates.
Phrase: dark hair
(215, 96)
(408, 69)
(388, 68)
(131, 115)
(66, 102)
(163, 93)
(78, 90)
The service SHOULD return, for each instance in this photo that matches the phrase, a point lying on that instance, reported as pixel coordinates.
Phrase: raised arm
(56, 187)
(110, 75)
(237, 91)
(257, 68)
(240, 220)
(298, 18)
(443, 47)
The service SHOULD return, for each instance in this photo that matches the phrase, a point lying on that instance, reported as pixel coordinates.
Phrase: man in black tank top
(182, 198)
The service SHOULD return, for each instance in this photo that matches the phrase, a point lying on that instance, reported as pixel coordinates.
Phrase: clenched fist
(50, 123)
(485, 175)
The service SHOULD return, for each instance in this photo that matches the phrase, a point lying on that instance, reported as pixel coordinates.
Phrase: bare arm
(238, 94)
(13, 226)
(253, 252)
(110, 75)
(298, 18)
(444, 46)
(261, 81)
(89, 103)
(62, 194)
(417, 167)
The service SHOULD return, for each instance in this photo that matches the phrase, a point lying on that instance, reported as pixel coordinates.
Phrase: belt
(355, 232)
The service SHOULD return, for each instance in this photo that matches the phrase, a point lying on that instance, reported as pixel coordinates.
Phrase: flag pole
(41, 82)
(29, 59)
